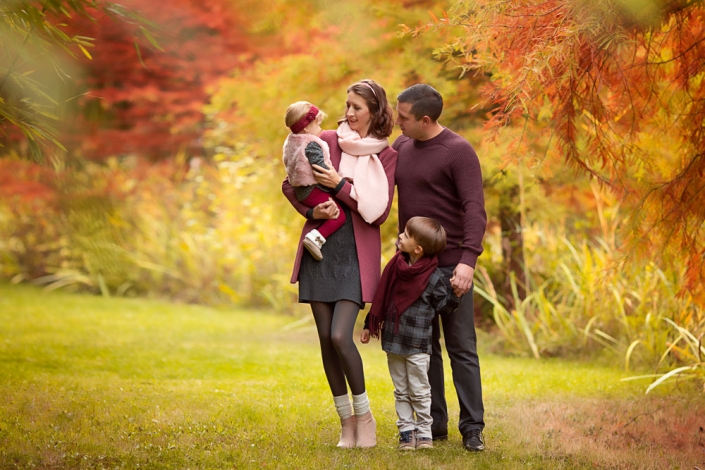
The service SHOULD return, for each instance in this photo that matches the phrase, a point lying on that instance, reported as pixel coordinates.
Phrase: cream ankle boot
(347, 433)
(313, 242)
(366, 431)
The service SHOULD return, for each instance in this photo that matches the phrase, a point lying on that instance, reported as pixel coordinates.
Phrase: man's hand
(462, 279)
(326, 210)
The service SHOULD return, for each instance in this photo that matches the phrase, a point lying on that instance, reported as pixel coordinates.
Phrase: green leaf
(150, 38)
(85, 52)
(670, 374)
(139, 54)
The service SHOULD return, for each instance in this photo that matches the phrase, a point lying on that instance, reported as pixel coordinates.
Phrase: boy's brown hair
(428, 233)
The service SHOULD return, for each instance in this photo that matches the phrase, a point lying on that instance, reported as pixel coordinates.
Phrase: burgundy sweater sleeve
(468, 178)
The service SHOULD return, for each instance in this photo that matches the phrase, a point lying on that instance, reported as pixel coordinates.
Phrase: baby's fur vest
(298, 168)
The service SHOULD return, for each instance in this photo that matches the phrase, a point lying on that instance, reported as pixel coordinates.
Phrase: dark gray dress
(337, 275)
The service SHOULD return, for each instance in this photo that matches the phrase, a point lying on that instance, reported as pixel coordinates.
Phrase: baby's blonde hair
(298, 110)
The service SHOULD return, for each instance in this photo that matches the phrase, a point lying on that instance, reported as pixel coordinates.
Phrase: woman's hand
(326, 210)
(328, 178)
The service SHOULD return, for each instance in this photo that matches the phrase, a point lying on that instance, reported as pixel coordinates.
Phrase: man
(438, 175)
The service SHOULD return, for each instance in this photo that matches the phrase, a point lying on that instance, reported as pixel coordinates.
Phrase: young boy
(410, 293)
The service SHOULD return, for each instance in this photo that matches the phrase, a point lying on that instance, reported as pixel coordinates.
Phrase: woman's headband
(370, 87)
(301, 124)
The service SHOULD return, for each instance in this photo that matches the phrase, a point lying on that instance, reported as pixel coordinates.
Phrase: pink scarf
(360, 164)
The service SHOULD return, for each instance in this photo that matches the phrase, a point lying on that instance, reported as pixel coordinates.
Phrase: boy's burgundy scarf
(401, 285)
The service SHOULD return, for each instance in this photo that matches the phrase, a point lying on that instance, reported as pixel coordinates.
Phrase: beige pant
(412, 392)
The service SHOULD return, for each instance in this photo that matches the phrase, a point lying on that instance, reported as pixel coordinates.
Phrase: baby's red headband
(301, 124)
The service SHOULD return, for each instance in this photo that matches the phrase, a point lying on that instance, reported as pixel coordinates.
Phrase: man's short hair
(428, 233)
(424, 100)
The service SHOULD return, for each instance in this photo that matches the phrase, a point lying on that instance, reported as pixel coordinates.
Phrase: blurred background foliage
(153, 168)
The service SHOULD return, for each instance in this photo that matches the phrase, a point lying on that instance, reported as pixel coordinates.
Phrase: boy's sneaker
(407, 440)
(424, 443)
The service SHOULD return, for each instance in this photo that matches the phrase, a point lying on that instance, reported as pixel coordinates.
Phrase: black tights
(335, 322)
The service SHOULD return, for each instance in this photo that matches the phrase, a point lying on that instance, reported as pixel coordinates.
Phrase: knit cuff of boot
(361, 404)
(343, 406)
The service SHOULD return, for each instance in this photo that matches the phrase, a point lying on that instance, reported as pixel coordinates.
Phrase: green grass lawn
(89, 382)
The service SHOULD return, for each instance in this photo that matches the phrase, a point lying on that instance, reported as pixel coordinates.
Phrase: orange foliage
(138, 98)
(24, 181)
(620, 93)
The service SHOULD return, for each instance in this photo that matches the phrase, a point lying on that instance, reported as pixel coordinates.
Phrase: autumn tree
(102, 79)
(35, 63)
(616, 89)
(143, 95)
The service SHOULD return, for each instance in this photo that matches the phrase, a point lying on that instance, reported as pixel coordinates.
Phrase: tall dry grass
(580, 300)
(193, 232)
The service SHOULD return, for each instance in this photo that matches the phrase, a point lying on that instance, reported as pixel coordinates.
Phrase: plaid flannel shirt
(415, 324)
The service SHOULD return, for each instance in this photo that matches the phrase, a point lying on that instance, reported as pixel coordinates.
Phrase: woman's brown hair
(381, 115)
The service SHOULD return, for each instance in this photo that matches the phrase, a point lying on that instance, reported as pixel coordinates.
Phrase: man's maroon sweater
(441, 178)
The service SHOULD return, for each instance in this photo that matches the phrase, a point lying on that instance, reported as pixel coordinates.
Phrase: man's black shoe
(473, 441)
(439, 434)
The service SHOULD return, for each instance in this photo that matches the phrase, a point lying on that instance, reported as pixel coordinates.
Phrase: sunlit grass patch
(88, 382)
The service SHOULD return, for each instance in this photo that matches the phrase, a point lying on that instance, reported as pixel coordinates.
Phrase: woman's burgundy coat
(367, 237)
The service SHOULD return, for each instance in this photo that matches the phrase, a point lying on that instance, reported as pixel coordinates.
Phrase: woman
(337, 287)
